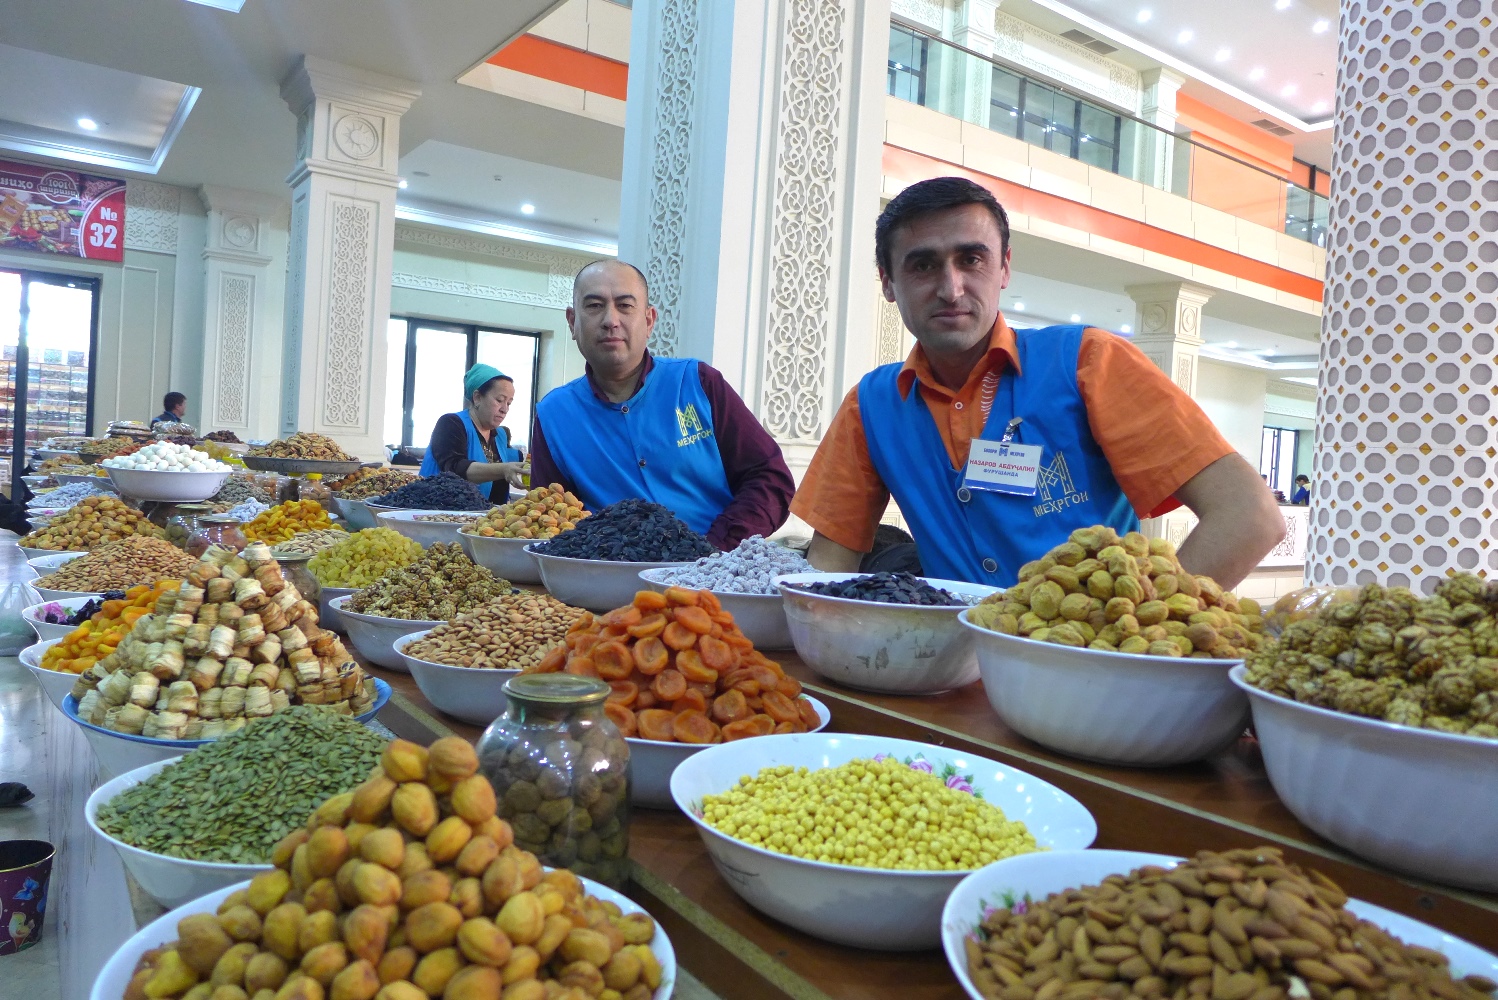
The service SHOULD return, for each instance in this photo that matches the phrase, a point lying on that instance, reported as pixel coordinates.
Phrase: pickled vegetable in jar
(560, 771)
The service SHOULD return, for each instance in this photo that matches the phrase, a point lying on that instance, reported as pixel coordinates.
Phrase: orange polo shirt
(1154, 436)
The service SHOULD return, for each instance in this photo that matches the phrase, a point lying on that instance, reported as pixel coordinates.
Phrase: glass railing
(956, 81)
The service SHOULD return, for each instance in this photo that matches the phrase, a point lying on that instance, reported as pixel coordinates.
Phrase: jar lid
(556, 689)
(218, 519)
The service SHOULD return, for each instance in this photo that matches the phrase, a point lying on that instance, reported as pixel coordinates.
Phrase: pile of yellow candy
(286, 519)
(875, 813)
(363, 558)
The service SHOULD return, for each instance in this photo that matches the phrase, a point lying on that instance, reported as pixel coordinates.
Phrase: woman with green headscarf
(471, 443)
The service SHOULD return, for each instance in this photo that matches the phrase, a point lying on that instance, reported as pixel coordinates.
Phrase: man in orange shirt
(998, 443)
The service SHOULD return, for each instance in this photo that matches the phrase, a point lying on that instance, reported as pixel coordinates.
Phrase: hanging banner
(47, 210)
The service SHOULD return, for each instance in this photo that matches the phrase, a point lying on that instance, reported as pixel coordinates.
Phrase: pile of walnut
(236, 642)
(408, 888)
(1416, 661)
(1123, 595)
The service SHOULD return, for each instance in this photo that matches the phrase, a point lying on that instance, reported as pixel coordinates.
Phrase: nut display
(441, 585)
(376, 897)
(682, 671)
(239, 488)
(287, 519)
(541, 513)
(363, 557)
(68, 465)
(109, 447)
(1391, 655)
(447, 518)
(876, 813)
(304, 445)
(96, 638)
(129, 562)
(310, 542)
(369, 482)
(512, 632)
(235, 642)
(1240, 924)
(1123, 595)
(632, 530)
(210, 805)
(91, 522)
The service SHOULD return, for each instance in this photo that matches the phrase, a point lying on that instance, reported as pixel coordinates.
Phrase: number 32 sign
(45, 210)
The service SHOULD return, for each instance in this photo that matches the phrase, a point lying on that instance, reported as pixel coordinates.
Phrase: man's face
(180, 408)
(947, 270)
(610, 319)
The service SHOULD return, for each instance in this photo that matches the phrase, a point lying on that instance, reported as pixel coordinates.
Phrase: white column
(1157, 150)
(342, 241)
(1403, 481)
(241, 327)
(751, 176)
(974, 29)
(1168, 327)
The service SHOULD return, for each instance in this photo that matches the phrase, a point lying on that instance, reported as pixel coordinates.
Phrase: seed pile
(304, 445)
(1124, 595)
(89, 523)
(631, 530)
(363, 557)
(97, 637)
(310, 542)
(747, 569)
(512, 632)
(886, 588)
(441, 492)
(1390, 655)
(284, 520)
(1241, 924)
(211, 805)
(541, 513)
(443, 584)
(121, 565)
(366, 483)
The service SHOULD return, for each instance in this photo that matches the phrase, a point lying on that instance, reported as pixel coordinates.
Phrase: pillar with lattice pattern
(1407, 415)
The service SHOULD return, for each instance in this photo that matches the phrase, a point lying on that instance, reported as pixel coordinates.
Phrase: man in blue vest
(669, 430)
(997, 443)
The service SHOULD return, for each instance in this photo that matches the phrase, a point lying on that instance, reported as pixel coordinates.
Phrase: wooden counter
(1223, 803)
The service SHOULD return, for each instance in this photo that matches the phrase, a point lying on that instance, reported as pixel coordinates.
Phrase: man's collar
(602, 396)
(1002, 350)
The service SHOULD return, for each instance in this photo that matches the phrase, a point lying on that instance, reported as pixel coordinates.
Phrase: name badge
(1003, 467)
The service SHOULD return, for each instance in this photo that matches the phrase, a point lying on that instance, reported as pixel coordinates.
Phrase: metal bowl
(473, 694)
(424, 533)
(594, 584)
(300, 466)
(506, 558)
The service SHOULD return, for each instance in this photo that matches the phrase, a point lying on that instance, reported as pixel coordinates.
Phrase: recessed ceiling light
(1126, 328)
(1320, 26)
(1076, 318)
(1288, 90)
(402, 183)
(1185, 36)
(1144, 15)
(1257, 73)
(88, 124)
(1019, 307)
(1223, 55)
(1281, 4)
(1318, 107)
(527, 209)
(1230, 344)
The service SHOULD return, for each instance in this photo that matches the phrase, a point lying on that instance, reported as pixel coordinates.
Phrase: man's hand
(828, 556)
(1240, 521)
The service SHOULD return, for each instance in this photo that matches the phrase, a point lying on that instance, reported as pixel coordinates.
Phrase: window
(424, 370)
(908, 53)
(1277, 458)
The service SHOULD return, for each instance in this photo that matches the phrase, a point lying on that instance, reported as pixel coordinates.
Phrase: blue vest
(476, 454)
(977, 535)
(657, 445)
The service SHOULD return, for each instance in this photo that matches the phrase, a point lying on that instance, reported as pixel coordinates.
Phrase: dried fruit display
(511, 632)
(1122, 595)
(1430, 661)
(287, 519)
(90, 523)
(541, 513)
(306, 445)
(441, 585)
(133, 560)
(682, 671)
(96, 638)
(368, 482)
(381, 896)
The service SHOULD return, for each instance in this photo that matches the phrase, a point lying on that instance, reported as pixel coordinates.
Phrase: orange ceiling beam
(537, 56)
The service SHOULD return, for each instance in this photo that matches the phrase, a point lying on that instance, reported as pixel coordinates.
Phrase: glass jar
(218, 529)
(294, 569)
(560, 770)
(182, 521)
(311, 487)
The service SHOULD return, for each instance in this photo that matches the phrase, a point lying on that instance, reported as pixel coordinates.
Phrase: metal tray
(300, 466)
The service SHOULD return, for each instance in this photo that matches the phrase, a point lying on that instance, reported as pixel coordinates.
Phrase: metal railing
(935, 73)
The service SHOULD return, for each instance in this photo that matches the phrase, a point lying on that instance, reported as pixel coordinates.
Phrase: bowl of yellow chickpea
(860, 839)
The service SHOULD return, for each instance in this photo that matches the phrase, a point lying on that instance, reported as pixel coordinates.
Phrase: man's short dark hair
(934, 195)
(610, 260)
(171, 401)
(1302, 478)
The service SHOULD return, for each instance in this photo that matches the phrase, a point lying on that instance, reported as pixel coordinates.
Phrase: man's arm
(1240, 521)
(828, 556)
(758, 477)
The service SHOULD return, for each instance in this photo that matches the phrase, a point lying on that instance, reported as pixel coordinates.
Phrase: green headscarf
(478, 376)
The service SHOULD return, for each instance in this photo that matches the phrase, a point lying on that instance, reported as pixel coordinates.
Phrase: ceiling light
(402, 183)
(527, 209)
(1318, 107)
(1281, 4)
(1185, 36)
(89, 124)
(232, 6)
(1288, 90)
(1320, 26)
(1019, 307)
(1230, 344)
(1075, 318)
(1257, 73)
(1126, 328)
(1223, 55)
(1144, 15)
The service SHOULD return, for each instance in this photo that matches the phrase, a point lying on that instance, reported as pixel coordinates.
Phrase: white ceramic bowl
(170, 881)
(863, 907)
(595, 584)
(355, 512)
(174, 487)
(761, 617)
(1117, 708)
(651, 764)
(61, 595)
(51, 556)
(1039, 875)
(327, 615)
(46, 630)
(894, 648)
(424, 533)
(119, 753)
(115, 977)
(473, 694)
(1334, 772)
(56, 683)
(374, 637)
(506, 558)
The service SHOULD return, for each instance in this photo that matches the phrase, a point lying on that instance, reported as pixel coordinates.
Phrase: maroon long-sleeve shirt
(758, 477)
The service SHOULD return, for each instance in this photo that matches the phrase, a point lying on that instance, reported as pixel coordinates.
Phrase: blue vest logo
(690, 426)
(1055, 488)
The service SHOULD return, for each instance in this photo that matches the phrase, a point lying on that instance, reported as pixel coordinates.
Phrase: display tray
(300, 466)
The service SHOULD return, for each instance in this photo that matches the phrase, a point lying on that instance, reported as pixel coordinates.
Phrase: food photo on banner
(47, 210)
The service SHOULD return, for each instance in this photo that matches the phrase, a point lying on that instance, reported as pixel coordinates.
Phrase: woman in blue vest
(472, 444)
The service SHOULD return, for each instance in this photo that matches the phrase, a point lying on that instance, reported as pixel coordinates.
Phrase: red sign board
(47, 210)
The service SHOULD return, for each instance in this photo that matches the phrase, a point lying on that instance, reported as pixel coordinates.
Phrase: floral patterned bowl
(864, 907)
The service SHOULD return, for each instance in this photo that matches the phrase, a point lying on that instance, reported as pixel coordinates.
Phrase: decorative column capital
(348, 120)
(1159, 86)
(237, 224)
(975, 28)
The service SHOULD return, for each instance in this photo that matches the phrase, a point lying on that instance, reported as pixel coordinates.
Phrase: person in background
(998, 443)
(471, 443)
(173, 407)
(668, 430)
(1302, 492)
